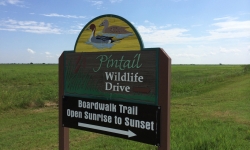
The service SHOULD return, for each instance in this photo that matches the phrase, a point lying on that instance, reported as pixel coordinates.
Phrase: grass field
(209, 110)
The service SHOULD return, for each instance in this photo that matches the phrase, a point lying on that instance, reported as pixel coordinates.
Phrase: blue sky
(190, 31)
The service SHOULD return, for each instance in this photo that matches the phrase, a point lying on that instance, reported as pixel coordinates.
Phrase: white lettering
(140, 78)
(139, 124)
(109, 75)
(116, 88)
(74, 114)
(97, 117)
(131, 110)
(110, 86)
(125, 77)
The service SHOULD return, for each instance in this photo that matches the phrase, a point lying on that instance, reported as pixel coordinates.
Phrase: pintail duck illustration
(114, 31)
(98, 38)
(100, 41)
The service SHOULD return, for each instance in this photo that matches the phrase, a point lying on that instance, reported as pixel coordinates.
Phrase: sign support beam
(63, 131)
(164, 99)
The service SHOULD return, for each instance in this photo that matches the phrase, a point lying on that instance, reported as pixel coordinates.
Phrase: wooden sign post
(63, 131)
(111, 85)
(164, 99)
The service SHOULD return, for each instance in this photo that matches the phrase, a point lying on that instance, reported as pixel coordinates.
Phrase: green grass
(29, 129)
(25, 86)
(197, 79)
(209, 110)
(217, 119)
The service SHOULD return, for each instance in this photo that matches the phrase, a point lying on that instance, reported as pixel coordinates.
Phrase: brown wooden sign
(111, 84)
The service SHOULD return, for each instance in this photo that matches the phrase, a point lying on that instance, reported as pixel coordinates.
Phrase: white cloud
(145, 30)
(98, 4)
(196, 25)
(115, 1)
(226, 18)
(48, 55)
(148, 22)
(178, 0)
(63, 16)
(224, 29)
(189, 46)
(73, 31)
(93, 2)
(213, 53)
(165, 26)
(190, 55)
(31, 51)
(232, 26)
(230, 29)
(183, 46)
(225, 50)
(76, 29)
(157, 35)
(28, 26)
(12, 2)
(4, 29)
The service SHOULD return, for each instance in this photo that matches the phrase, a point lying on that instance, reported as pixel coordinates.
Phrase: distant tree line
(31, 63)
